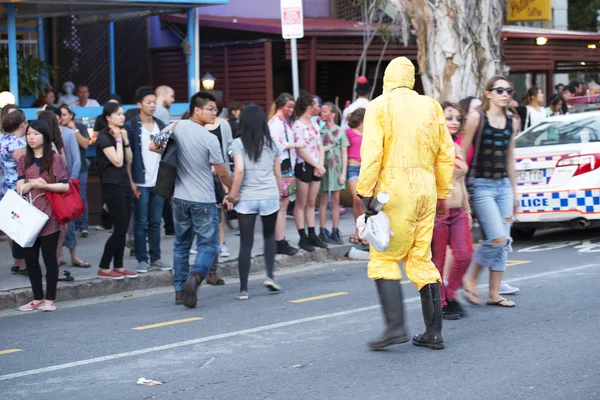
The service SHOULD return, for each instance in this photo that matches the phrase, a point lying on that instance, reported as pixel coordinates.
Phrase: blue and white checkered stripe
(584, 201)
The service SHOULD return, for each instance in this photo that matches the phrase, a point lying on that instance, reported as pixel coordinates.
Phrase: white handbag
(20, 219)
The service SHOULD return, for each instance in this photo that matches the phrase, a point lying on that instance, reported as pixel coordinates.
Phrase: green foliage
(582, 15)
(30, 73)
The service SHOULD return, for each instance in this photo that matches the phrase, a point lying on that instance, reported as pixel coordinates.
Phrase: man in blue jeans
(194, 203)
(144, 172)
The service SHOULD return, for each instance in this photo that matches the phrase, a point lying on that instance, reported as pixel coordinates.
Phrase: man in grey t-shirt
(165, 96)
(194, 203)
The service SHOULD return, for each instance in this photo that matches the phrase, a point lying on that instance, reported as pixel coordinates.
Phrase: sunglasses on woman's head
(501, 90)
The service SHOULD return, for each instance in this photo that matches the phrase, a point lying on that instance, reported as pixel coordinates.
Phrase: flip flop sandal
(65, 276)
(499, 303)
(354, 240)
(472, 294)
(14, 269)
(83, 264)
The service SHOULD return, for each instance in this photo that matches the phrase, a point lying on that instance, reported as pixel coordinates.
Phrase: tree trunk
(459, 44)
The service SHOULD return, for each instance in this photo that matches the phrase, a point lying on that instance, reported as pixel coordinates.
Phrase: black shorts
(306, 173)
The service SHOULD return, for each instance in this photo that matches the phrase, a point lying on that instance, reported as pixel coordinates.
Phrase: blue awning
(32, 9)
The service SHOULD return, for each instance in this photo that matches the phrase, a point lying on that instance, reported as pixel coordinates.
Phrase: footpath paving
(15, 289)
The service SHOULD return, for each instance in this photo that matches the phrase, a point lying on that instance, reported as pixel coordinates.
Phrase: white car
(557, 165)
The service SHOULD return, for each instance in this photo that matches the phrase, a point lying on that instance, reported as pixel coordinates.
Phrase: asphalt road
(309, 342)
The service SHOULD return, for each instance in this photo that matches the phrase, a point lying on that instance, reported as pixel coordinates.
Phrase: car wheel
(522, 233)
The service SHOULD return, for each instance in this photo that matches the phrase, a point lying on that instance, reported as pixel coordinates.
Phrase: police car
(557, 165)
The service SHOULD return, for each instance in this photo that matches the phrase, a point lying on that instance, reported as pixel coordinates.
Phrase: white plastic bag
(20, 220)
(376, 230)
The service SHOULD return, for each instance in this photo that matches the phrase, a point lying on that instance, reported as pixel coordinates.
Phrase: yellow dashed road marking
(321, 297)
(161, 324)
(9, 351)
(512, 263)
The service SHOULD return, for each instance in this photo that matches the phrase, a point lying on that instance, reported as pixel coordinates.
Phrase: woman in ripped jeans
(494, 186)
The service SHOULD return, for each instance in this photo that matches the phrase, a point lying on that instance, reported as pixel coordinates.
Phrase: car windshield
(561, 132)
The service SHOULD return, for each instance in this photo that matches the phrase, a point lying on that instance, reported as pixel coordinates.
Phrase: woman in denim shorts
(494, 186)
(256, 190)
(355, 134)
(281, 132)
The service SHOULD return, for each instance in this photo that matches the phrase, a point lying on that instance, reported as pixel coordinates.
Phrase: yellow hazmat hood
(400, 72)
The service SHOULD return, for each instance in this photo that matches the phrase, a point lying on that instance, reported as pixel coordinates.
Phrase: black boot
(457, 308)
(392, 305)
(431, 303)
(283, 247)
(305, 245)
(190, 290)
(449, 313)
(325, 236)
(316, 241)
(336, 237)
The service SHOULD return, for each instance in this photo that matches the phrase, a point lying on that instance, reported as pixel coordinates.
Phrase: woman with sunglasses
(455, 229)
(493, 187)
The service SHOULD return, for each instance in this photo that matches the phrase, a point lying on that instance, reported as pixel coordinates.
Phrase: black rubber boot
(392, 305)
(431, 303)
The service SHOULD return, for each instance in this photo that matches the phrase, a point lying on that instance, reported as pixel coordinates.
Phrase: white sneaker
(158, 264)
(46, 307)
(224, 251)
(506, 289)
(142, 267)
(243, 295)
(272, 285)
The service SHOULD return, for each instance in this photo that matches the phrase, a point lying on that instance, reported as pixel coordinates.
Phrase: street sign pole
(295, 80)
(292, 27)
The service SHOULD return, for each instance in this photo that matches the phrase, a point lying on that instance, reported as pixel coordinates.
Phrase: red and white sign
(292, 19)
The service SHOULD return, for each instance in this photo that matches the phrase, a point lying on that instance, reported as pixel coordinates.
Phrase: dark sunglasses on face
(501, 90)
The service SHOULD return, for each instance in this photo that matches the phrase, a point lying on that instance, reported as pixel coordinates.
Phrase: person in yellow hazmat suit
(408, 153)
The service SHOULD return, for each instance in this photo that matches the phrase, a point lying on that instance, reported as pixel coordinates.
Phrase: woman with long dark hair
(113, 155)
(40, 170)
(55, 135)
(533, 111)
(67, 119)
(256, 183)
(494, 186)
(309, 170)
(281, 132)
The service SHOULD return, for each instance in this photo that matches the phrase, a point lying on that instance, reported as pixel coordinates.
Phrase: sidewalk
(15, 289)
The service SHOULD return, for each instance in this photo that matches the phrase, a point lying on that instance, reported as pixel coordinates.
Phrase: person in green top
(334, 180)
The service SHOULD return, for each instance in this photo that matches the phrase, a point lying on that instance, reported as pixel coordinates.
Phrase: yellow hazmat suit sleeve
(405, 143)
(444, 163)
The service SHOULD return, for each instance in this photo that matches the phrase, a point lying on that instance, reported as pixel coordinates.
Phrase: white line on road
(208, 362)
(251, 330)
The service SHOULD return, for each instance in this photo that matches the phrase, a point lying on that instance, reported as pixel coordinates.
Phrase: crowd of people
(254, 164)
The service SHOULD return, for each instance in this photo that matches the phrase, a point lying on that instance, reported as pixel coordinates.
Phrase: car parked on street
(557, 165)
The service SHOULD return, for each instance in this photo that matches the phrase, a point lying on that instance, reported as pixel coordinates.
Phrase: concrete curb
(100, 287)
(228, 269)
